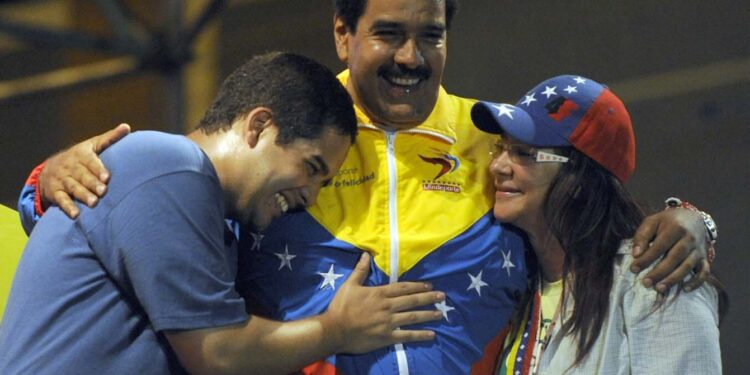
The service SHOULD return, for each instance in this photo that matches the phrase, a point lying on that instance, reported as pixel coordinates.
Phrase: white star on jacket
(444, 308)
(476, 282)
(507, 264)
(329, 278)
(505, 110)
(257, 238)
(286, 258)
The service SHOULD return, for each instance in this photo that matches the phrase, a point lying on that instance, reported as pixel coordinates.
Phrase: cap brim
(484, 118)
(515, 122)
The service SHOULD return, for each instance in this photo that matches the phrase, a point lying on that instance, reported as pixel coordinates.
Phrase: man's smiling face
(396, 59)
(288, 177)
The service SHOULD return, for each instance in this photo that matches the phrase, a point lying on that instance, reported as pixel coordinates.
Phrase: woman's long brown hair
(590, 212)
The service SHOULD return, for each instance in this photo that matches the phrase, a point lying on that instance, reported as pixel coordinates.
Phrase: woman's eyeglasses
(525, 155)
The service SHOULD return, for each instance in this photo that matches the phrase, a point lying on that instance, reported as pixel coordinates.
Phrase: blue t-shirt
(94, 295)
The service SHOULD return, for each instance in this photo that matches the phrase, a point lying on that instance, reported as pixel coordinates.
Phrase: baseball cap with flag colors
(567, 111)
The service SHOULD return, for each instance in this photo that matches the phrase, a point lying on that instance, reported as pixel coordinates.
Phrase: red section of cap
(605, 134)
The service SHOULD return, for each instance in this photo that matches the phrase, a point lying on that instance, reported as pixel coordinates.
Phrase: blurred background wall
(682, 68)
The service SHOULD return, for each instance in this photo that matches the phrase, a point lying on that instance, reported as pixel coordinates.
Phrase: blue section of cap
(532, 121)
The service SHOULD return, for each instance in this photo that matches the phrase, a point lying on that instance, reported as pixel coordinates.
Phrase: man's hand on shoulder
(78, 173)
(681, 234)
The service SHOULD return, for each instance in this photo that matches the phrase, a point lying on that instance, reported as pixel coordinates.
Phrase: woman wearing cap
(567, 148)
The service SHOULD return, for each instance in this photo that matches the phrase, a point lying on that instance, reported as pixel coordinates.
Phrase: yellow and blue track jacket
(419, 201)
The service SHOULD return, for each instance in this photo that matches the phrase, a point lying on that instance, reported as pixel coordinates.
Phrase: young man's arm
(359, 319)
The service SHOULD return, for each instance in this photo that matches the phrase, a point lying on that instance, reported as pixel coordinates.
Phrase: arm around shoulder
(75, 173)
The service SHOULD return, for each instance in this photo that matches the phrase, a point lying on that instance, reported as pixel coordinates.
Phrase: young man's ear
(255, 123)
(341, 34)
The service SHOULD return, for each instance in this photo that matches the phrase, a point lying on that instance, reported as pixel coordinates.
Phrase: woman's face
(521, 183)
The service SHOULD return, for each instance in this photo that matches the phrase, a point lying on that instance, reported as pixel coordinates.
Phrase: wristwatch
(711, 229)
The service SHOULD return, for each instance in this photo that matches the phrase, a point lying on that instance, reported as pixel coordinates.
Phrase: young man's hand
(367, 318)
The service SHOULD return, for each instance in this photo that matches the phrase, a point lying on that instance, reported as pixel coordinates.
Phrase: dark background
(682, 68)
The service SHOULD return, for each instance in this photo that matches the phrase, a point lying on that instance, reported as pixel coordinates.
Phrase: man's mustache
(421, 72)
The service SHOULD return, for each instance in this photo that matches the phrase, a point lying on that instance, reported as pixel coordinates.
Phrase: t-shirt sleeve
(167, 245)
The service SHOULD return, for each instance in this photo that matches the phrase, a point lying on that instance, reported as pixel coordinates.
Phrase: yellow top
(13, 239)
(550, 297)
(551, 293)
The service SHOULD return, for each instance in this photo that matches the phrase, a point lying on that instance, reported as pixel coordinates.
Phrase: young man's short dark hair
(304, 97)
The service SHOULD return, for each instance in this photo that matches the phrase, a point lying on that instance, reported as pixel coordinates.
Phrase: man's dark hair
(351, 10)
(304, 97)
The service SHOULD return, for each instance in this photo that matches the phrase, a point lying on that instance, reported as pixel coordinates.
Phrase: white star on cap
(257, 238)
(507, 264)
(285, 258)
(476, 283)
(579, 80)
(329, 278)
(444, 308)
(549, 91)
(505, 110)
(529, 99)
(570, 89)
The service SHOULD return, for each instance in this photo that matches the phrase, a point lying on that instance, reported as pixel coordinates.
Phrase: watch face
(710, 226)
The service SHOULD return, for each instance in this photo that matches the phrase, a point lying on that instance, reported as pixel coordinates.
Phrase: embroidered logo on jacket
(448, 164)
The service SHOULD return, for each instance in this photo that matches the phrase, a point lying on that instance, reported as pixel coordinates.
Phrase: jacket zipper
(403, 365)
